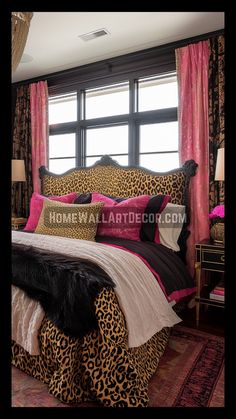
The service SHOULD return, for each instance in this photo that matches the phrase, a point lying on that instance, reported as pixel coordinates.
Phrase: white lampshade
(220, 165)
(18, 171)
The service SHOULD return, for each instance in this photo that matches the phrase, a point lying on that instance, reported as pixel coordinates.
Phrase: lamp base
(218, 242)
(218, 233)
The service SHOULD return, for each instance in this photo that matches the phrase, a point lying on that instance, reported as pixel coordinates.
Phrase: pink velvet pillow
(121, 219)
(36, 206)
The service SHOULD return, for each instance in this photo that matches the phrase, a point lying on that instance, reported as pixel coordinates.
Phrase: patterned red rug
(190, 374)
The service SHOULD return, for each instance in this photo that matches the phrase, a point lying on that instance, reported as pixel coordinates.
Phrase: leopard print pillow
(69, 220)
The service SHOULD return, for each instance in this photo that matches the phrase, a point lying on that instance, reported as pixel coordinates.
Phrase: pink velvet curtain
(192, 72)
(39, 129)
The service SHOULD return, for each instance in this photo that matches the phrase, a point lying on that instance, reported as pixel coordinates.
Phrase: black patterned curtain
(22, 191)
(216, 115)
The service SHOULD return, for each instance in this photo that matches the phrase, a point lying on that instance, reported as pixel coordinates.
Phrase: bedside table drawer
(213, 257)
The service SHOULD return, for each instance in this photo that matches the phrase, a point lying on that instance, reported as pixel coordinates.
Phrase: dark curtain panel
(216, 115)
(22, 191)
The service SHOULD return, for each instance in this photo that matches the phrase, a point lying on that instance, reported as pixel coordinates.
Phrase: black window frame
(133, 119)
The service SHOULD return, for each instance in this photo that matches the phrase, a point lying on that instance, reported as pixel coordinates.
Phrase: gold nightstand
(209, 257)
(18, 223)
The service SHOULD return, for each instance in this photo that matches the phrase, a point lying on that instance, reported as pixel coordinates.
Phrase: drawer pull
(222, 258)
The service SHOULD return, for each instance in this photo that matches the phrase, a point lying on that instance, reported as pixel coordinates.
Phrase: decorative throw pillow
(83, 198)
(86, 198)
(69, 220)
(155, 206)
(36, 205)
(123, 219)
(169, 227)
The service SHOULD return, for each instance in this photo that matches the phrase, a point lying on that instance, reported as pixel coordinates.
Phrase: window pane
(109, 140)
(107, 101)
(59, 166)
(122, 160)
(160, 162)
(157, 93)
(62, 108)
(159, 137)
(62, 145)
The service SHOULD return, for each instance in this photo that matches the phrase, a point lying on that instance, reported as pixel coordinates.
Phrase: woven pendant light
(20, 22)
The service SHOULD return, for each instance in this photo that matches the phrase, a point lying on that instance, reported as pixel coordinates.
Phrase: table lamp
(217, 230)
(17, 174)
(18, 171)
(220, 165)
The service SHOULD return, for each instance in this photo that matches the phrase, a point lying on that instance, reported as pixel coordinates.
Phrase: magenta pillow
(36, 205)
(121, 219)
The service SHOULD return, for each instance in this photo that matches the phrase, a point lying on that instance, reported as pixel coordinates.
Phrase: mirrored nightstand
(209, 257)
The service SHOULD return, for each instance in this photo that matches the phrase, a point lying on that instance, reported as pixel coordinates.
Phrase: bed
(109, 356)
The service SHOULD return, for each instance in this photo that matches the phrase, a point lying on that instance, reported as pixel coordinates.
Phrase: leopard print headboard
(108, 177)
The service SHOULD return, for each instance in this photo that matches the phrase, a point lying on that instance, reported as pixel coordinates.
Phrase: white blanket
(26, 316)
(140, 297)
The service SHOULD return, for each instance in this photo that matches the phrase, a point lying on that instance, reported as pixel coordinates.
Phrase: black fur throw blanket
(65, 287)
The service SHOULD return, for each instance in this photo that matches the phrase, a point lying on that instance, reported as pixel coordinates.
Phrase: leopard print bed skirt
(99, 367)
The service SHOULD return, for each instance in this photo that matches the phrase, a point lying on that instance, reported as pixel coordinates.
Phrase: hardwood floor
(211, 319)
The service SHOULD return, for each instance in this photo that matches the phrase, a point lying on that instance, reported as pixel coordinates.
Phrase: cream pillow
(170, 224)
(69, 220)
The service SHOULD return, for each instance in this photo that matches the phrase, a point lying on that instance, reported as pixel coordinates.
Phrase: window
(107, 101)
(61, 152)
(159, 146)
(109, 140)
(157, 93)
(63, 108)
(134, 121)
(60, 166)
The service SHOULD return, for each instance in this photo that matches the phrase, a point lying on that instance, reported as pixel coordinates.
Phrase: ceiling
(53, 41)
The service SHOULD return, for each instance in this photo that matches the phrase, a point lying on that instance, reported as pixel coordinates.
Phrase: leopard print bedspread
(100, 367)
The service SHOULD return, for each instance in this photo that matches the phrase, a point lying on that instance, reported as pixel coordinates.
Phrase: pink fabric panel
(39, 129)
(192, 72)
(36, 205)
(136, 205)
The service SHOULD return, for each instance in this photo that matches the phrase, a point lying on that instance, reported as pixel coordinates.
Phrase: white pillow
(170, 224)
